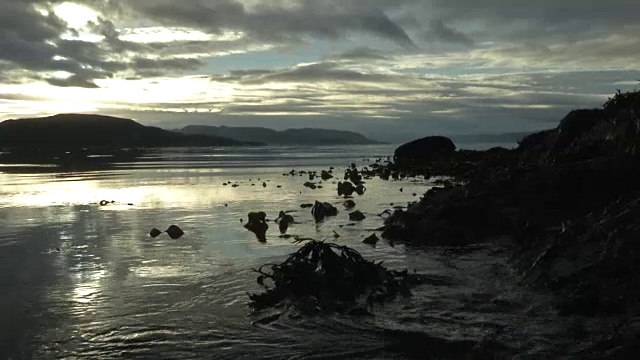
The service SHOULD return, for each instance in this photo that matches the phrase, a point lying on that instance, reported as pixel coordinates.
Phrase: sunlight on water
(82, 279)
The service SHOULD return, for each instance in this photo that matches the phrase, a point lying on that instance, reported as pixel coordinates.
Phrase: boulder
(371, 240)
(322, 210)
(284, 220)
(155, 232)
(325, 175)
(424, 150)
(357, 216)
(257, 224)
(174, 232)
(345, 188)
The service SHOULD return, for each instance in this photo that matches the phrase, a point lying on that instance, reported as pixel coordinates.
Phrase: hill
(305, 136)
(95, 131)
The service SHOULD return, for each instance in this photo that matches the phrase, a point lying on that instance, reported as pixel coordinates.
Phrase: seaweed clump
(324, 276)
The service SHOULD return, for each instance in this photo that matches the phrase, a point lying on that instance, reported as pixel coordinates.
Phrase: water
(80, 280)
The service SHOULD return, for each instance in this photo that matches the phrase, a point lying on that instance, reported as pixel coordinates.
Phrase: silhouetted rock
(155, 232)
(426, 149)
(174, 232)
(322, 210)
(310, 185)
(349, 204)
(257, 224)
(284, 220)
(345, 188)
(371, 240)
(307, 205)
(325, 175)
(357, 216)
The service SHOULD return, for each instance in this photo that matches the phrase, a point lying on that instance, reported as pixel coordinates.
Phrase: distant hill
(305, 136)
(93, 131)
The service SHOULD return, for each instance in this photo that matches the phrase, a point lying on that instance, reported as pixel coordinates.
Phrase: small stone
(155, 232)
(371, 240)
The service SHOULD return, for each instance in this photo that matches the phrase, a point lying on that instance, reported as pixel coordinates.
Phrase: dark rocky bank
(567, 199)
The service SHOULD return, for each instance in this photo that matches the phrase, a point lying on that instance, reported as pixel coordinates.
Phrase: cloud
(438, 31)
(307, 73)
(73, 81)
(275, 22)
(361, 53)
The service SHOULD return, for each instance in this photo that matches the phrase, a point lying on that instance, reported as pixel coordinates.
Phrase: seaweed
(323, 276)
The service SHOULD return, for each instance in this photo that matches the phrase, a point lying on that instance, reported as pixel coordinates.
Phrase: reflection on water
(84, 280)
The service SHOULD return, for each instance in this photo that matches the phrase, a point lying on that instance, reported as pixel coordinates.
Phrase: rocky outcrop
(425, 149)
(568, 198)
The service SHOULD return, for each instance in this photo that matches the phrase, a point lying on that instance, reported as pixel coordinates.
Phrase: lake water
(80, 280)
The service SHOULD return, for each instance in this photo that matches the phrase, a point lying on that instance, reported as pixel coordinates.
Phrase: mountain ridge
(96, 131)
(297, 136)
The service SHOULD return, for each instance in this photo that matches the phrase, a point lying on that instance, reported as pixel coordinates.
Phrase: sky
(394, 70)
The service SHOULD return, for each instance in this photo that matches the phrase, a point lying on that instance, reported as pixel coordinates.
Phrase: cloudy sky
(391, 69)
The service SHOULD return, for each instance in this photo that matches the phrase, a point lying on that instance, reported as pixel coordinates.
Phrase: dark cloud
(317, 72)
(73, 81)
(438, 31)
(361, 53)
(273, 21)
(180, 64)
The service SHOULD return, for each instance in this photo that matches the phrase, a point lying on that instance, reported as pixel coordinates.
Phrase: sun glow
(75, 15)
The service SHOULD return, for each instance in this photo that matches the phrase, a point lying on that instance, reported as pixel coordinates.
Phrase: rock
(371, 240)
(360, 189)
(345, 188)
(264, 184)
(424, 150)
(322, 210)
(310, 185)
(103, 202)
(306, 205)
(352, 174)
(257, 216)
(349, 204)
(257, 224)
(357, 216)
(325, 175)
(284, 220)
(174, 232)
(155, 233)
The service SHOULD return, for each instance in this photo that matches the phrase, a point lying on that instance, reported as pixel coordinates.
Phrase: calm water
(80, 280)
